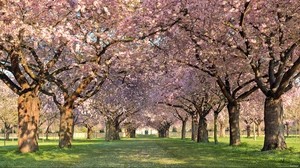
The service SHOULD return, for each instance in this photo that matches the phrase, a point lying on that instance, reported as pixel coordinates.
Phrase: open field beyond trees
(152, 152)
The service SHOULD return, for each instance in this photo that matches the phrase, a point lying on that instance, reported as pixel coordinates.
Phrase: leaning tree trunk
(66, 127)
(216, 128)
(47, 135)
(274, 127)
(202, 130)
(234, 126)
(28, 119)
(183, 129)
(112, 130)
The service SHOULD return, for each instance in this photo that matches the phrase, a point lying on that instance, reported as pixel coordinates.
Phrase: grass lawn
(152, 152)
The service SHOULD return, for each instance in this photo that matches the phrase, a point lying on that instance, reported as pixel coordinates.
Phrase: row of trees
(70, 50)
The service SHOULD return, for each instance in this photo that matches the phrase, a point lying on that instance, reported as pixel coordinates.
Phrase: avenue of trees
(134, 63)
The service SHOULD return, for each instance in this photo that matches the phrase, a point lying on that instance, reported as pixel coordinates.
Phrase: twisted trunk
(234, 126)
(28, 119)
(274, 127)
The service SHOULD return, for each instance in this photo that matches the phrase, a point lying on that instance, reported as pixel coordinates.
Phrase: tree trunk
(234, 126)
(112, 130)
(162, 133)
(28, 119)
(287, 130)
(222, 130)
(47, 132)
(130, 132)
(216, 128)
(183, 129)
(89, 132)
(202, 130)
(248, 130)
(7, 133)
(258, 129)
(8, 130)
(194, 127)
(274, 127)
(73, 127)
(47, 135)
(167, 133)
(66, 127)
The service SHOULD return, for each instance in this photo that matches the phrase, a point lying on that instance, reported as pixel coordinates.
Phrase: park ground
(152, 152)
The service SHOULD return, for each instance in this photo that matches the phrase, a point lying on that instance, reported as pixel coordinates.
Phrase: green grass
(152, 152)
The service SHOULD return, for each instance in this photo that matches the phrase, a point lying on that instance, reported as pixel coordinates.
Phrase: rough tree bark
(194, 129)
(66, 126)
(202, 130)
(234, 126)
(274, 127)
(28, 119)
(112, 130)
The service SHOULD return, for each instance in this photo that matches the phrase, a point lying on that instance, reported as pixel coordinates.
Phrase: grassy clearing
(152, 152)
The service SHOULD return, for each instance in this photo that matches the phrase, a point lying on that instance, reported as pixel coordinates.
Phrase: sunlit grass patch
(152, 152)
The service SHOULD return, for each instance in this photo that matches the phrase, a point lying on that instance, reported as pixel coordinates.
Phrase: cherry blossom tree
(8, 110)
(161, 120)
(267, 38)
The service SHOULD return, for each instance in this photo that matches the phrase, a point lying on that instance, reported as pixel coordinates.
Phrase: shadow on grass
(148, 152)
